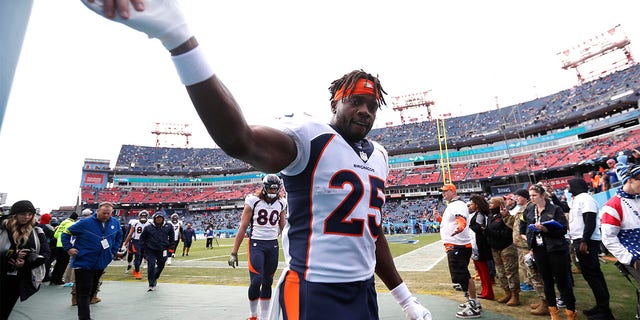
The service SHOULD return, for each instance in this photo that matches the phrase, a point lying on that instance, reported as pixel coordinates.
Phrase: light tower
(594, 51)
(412, 101)
(171, 129)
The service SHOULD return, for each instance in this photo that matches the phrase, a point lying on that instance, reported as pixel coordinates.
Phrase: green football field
(209, 266)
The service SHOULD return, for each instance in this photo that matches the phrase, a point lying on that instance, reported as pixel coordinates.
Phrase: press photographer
(23, 251)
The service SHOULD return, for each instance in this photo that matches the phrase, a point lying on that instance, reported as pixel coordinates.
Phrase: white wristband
(401, 294)
(192, 66)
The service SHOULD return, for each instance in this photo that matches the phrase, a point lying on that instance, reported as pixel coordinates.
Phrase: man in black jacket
(155, 240)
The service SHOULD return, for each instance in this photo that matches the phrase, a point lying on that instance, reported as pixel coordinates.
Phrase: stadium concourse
(126, 300)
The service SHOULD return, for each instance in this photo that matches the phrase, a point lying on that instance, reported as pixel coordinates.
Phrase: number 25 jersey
(335, 192)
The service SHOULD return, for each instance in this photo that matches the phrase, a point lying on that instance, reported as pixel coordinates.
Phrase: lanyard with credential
(539, 240)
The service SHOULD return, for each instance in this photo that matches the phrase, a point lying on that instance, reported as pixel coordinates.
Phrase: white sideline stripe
(421, 259)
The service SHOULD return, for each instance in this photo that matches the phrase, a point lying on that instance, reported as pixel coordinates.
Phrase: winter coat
(484, 251)
(89, 234)
(554, 239)
(157, 238)
(499, 235)
(26, 287)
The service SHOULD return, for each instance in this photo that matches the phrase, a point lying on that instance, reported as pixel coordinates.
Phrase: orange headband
(363, 86)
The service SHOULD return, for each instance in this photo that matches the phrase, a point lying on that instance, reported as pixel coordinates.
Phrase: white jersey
(177, 226)
(335, 193)
(455, 209)
(581, 203)
(265, 222)
(138, 227)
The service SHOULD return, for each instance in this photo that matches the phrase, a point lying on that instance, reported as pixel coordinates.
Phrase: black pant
(155, 264)
(590, 266)
(9, 294)
(86, 286)
(555, 268)
(458, 259)
(62, 260)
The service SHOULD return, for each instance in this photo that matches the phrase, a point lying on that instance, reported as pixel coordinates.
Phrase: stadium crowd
(609, 157)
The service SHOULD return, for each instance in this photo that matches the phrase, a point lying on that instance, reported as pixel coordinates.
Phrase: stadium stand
(567, 133)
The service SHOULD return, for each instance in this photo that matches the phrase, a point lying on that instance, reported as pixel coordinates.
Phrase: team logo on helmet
(271, 185)
(143, 216)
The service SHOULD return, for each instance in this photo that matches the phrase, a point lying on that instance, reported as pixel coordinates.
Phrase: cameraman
(18, 255)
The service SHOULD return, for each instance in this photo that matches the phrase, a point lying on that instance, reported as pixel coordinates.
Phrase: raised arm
(266, 149)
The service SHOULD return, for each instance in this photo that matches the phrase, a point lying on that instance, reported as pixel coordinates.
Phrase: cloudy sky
(85, 86)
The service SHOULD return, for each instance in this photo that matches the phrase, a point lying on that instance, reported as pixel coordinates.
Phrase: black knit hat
(22, 206)
(523, 193)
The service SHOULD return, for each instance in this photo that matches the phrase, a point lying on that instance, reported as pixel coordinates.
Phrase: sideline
(127, 300)
(421, 259)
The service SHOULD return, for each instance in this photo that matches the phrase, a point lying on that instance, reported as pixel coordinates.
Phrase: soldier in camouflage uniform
(530, 272)
(505, 255)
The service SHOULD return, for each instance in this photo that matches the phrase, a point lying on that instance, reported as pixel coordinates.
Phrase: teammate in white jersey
(334, 177)
(264, 212)
(177, 231)
(132, 242)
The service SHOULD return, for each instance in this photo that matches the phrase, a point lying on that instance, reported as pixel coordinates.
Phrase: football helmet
(143, 216)
(271, 182)
(122, 252)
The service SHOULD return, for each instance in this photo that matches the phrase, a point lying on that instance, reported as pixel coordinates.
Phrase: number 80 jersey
(265, 223)
(335, 193)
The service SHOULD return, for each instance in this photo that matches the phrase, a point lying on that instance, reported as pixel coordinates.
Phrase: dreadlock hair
(349, 81)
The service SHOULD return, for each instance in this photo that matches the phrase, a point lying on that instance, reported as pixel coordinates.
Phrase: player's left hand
(413, 310)
(233, 260)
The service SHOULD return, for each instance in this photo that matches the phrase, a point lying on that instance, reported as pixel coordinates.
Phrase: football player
(334, 176)
(132, 242)
(265, 212)
(177, 232)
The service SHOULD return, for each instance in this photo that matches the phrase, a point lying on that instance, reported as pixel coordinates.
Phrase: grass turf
(194, 269)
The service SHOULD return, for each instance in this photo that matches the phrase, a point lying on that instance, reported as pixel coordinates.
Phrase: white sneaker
(471, 311)
(466, 304)
(151, 288)
(169, 261)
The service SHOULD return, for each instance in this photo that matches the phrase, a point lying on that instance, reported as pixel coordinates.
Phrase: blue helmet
(270, 182)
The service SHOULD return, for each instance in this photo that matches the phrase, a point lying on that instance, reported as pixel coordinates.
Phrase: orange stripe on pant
(291, 299)
(251, 268)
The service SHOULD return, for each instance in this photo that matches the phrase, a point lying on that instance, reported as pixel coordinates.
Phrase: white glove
(413, 310)
(161, 19)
